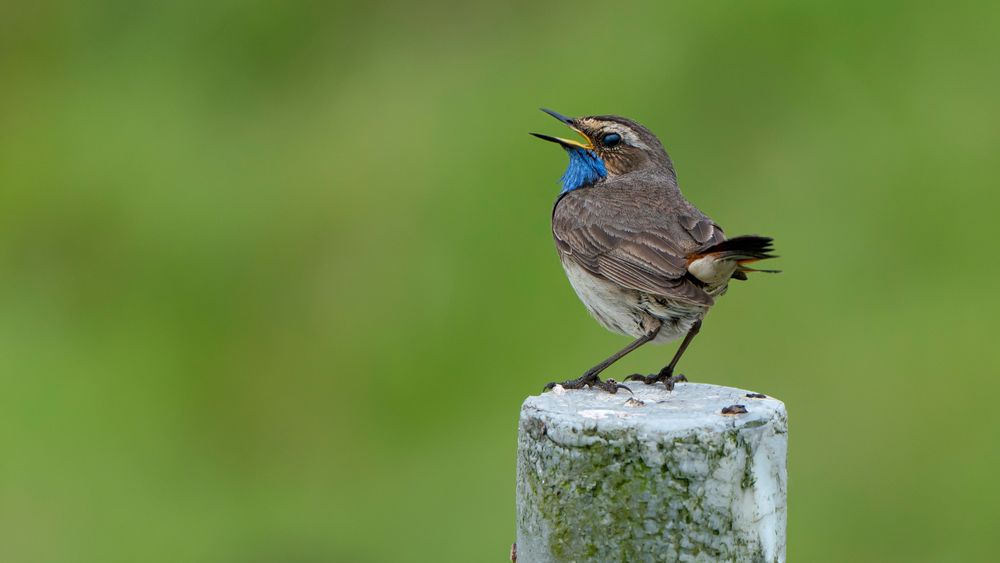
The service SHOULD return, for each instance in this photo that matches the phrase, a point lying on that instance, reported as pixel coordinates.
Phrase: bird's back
(638, 231)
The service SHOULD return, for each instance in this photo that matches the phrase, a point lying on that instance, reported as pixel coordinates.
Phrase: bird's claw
(592, 381)
(611, 386)
(670, 381)
(665, 376)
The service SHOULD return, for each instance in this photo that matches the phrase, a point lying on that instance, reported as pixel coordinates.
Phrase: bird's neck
(585, 168)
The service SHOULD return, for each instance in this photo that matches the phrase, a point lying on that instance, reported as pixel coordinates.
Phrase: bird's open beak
(566, 143)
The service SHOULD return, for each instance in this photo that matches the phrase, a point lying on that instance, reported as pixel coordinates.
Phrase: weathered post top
(697, 474)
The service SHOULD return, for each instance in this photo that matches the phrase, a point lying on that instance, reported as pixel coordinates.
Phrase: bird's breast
(627, 311)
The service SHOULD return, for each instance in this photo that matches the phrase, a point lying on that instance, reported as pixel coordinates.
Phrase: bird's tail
(744, 250)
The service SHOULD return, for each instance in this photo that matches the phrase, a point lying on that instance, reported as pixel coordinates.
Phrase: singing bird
(645, 262)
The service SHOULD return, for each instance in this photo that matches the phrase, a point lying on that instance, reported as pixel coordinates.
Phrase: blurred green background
(275, 276)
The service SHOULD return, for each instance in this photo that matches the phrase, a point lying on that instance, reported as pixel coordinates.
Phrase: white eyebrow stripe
(631, 138)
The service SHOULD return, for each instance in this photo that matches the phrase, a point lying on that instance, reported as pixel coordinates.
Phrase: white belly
(631, 312)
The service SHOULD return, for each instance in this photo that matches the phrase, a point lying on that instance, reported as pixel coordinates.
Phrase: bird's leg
(666, 374)
(590, 378)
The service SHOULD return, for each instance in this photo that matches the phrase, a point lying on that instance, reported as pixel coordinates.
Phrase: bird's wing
(633, 243)
(702, 229)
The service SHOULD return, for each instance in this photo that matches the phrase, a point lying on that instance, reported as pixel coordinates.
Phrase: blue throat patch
(585, 168)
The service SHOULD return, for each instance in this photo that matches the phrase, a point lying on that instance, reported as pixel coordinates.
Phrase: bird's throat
(585, 168)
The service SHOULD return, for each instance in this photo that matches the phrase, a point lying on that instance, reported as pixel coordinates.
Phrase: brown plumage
(633, 233)
(644, 260)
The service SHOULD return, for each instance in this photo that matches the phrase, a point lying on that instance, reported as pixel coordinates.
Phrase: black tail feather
(745, 247)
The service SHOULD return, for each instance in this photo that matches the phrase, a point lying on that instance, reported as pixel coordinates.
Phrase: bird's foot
(666, 376)
(589, 380)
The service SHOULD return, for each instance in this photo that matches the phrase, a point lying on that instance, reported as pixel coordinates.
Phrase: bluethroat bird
(645, 262)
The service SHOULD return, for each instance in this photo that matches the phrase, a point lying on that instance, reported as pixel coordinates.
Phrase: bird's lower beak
(566, 143)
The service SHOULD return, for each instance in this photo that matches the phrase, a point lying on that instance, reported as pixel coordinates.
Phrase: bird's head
(611, 146)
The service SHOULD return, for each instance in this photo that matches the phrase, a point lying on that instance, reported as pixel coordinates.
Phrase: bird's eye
(611, 139)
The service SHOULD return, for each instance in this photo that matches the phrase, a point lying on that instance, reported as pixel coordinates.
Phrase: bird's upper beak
(566, 143)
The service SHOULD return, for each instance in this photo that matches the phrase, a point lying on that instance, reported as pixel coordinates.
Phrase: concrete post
(697, 474)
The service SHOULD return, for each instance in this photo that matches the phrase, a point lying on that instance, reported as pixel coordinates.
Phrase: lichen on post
(697, 474)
